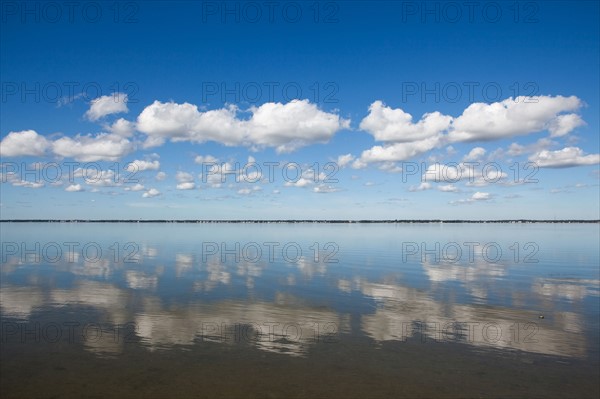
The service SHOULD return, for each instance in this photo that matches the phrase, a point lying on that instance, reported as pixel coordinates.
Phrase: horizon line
(347, 221)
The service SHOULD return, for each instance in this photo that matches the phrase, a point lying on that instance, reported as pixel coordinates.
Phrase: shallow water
(299, 310)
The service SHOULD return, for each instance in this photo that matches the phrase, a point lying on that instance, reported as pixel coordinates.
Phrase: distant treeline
(294, 221)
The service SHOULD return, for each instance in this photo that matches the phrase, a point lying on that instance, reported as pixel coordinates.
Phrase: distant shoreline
(399, 221)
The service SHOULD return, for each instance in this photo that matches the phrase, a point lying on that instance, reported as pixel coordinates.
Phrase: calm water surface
(299, 310)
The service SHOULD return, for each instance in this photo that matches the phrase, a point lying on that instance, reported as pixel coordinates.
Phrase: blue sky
(349, 109)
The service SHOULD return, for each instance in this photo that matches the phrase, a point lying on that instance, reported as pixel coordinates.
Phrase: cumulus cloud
(136, 187)
(387, 124)
(200, 159)
(516, 149)
(567, 157)
(217, 174)
(473, 173)
(476, 197)
(88, 148)
(490, 176)
(98, 177)
(160, 176)
(26, 142)
(405, 139)
(479, 196)
(390, 167)
(73, 188)
(301, 182)
(185, 181)
(184, 177)
(438, 172)
(398, 151)
(186, 186)
(290, 126)
(325, 189)
(421, 187)
(151, 193)
(121, 127)
(140, 166)
(308, 178)
(286, 127)
(344, 160)
(107, 105)
(248, 191)
(563, 124)
(512, 117)
(448, 188)
(27, 184)
(475, 154)
(359, 164)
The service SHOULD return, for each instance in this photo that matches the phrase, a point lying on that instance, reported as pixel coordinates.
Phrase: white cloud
(160, 176)
(567, 157)
(387, 124)
(438, 172)
(478, 122)
(301, 182)
(217, 174)
(512, 117)
(398, 151)
(97, 177)
(286, 127)
(209, 159)
(359, 164)
(479, 196)
(344, 160)
(390, 167)
(140, 166)
(311, 175)
(136, 187)
(182, 122)
(516, 149)
(290, 126)
(151, 193)
(185, 181)
(27, 184)
(26, 142)
(186, 186)
(122, 127)
(448, 188)
(247, 191)
(184, 177)
(490, 178)
(90, 148)
(107, 105)
(325, 189)
(421, 187)
(475, 154)
(473, 174)
(563, 124)
(74, 188)
(483, 178)
(86, 148)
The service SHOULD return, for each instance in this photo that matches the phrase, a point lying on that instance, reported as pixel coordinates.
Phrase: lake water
(299, 310)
